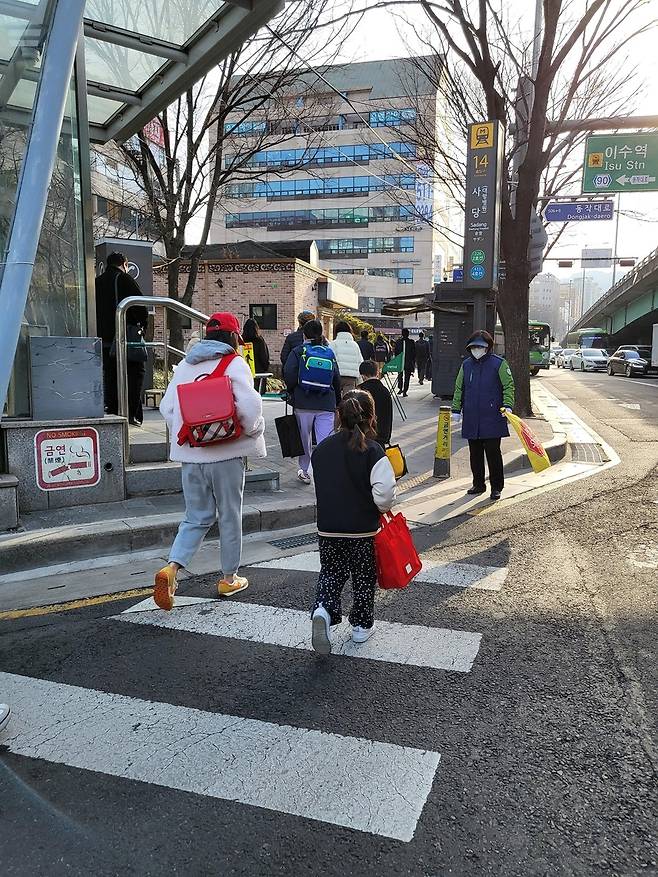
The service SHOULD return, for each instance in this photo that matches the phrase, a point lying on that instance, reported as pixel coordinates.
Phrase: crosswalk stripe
(452, 575)
(374, 787)
(435, 647)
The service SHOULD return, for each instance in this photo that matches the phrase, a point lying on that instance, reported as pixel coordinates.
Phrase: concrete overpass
(629, 309)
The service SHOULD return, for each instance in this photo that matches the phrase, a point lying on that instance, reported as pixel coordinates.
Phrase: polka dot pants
(341, 559)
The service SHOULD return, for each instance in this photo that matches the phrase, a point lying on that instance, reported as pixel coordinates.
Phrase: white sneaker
(5, 715)
(361, 634)
(321, 631)
(304, 477)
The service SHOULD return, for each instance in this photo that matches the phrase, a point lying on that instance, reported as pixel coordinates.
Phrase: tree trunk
(513, 307)
(175, 330)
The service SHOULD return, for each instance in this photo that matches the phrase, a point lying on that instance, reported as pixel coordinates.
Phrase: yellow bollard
(443, 444)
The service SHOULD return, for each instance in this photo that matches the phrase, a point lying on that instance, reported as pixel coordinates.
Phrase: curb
(59, 545)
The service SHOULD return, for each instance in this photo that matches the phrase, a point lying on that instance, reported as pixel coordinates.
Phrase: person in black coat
(296, 338)
(422, 356)
(382, 400)
(366, 346)
(112, 286)
(251, 335)
(405, 343)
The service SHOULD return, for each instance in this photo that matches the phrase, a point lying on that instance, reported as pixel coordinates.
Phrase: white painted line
(462, 575)
(361, 784)
(149, 604)
(435, 647)
(453, 575)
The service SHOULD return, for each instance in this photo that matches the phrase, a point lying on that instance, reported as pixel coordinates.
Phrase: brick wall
(228, 286)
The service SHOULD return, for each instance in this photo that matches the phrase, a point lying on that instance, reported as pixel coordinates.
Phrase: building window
(405, 275)
(392, 118)
(265, 315)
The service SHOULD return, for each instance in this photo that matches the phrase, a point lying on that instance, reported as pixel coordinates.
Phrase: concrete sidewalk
(92, 534)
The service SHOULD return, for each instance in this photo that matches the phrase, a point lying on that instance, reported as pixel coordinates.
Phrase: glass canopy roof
(139, 54)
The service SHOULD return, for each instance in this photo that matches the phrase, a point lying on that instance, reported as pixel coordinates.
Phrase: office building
(365, 202)
(544, 301)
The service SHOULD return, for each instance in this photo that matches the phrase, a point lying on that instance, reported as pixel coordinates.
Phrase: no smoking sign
(66, 458)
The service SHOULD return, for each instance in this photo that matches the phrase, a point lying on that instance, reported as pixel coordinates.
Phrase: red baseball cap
(225, 322)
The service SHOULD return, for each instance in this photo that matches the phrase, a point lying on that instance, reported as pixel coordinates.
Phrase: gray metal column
(36, 173)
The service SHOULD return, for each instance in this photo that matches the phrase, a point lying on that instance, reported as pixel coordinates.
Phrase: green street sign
(621, 163)
(477, 257)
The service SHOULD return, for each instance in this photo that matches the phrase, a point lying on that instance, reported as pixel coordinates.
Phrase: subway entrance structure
(74, 72)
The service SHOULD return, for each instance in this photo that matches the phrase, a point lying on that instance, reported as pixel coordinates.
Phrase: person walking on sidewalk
(251, 334)
(382, 399)
(406, 346)
(484, 385)
(294, 339)
(213, 476)
(354, 484)
(366, 346)
(382, 353)
(313, 380)
(422, 356)
(348, 355)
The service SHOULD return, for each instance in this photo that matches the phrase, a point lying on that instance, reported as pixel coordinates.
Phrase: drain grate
(417, 481)
(587, 452)
(295, 541)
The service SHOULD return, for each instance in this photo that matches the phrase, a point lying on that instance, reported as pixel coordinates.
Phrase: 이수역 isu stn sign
(621, 163)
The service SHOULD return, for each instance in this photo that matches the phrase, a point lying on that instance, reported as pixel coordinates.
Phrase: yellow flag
(247, 351)
(533, 447)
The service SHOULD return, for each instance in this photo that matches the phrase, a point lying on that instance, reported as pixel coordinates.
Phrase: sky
(381, 35)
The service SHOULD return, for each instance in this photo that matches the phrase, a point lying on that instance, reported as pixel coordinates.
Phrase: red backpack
(207, 408)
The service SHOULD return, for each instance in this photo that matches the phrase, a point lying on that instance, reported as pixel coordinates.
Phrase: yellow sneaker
(227, 589)
(165, 588)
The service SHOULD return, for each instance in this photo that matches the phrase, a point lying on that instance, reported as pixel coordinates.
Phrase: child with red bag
(354, 484)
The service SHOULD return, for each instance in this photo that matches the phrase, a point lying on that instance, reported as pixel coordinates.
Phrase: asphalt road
(505, 728)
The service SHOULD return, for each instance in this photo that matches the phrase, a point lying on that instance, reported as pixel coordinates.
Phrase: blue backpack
(316, 368)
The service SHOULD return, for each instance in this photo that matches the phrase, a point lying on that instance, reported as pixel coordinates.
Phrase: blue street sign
(579, 211)
(477, 272)
(457, 275)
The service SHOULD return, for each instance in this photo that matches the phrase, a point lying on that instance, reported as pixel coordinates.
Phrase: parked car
(554, 354)
(589, 359)
(628, 362)
(564, 357)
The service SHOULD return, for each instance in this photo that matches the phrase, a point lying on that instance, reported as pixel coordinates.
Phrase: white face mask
(478, 352)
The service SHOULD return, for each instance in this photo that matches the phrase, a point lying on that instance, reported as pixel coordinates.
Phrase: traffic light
(536, 244)
(626, 263)
(565, 263)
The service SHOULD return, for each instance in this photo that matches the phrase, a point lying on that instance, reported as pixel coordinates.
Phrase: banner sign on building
(67, 458)
(424, 193)
(621, 163)
(579, 211)
(483, 205)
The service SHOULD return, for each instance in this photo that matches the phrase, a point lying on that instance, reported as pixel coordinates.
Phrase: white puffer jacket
(202, 359)
(348, 354)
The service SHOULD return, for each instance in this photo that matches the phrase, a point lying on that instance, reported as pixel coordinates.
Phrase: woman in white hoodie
(213, 476)
(348, 356)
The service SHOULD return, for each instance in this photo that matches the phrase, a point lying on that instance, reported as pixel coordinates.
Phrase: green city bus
(539, 341)
(597, 338)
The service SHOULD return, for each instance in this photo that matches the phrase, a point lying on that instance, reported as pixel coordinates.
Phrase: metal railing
(156, 301)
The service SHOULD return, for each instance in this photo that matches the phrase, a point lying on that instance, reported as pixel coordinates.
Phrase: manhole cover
(295, 541)
(587, 452)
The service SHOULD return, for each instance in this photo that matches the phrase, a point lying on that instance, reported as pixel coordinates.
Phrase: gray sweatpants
(211, 490)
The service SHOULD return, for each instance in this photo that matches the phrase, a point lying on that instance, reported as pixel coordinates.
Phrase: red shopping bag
(397, 559)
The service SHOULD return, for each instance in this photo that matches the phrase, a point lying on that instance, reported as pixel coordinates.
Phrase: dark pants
(403, 380)
(136, 372)
(340, 559)
(421, 365)
(490, 447)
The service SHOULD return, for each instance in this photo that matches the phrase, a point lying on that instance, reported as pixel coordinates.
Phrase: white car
(564, 357)
(589, 359)
(555, 352)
